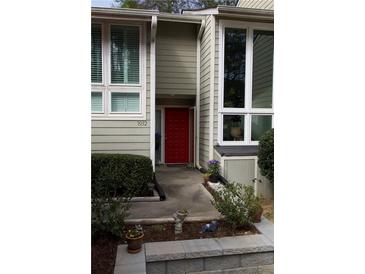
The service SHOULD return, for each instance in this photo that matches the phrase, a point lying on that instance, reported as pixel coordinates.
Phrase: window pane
(96, 64)
(96, 102)
(233, 127)
(124, 54)
(125, 102)
(234, 68)
(263, 55)
(260, 124)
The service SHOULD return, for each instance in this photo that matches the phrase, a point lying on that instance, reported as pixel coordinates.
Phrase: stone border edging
(153, 221)
(198, 249)
(209, 247)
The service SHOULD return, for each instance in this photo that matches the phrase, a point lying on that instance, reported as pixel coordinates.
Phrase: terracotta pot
(134, 244)
(258, 215)
(213, 178)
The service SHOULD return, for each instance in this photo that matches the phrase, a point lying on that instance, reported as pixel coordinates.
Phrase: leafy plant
(214, 167)
(115, 175)
(108, 214)
(115, 179)
(266, 155)
(237, 203)
(135, 232)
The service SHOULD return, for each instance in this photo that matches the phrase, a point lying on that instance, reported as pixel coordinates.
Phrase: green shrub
(237, 203)
(118, 175)
(266, 155)
(108, 215)
(115, 179)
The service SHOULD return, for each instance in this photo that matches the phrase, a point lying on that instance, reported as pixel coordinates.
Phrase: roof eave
(110, 13)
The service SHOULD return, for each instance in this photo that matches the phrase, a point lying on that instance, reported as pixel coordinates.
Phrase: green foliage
(131, 4)
(114, 175)
(115, 178)
(108, 214)
(214, 167)
(173, 5)
(266, 155)
(237, 203)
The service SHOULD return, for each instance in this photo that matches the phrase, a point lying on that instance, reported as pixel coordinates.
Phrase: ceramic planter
(213, 178)
(134, 244)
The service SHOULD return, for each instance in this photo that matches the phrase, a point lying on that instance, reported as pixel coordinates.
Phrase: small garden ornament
(179, 217)
(134, 238)
(211, 227)
(213, 170)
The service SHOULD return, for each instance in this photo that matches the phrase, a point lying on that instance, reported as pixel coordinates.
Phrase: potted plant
(134, 238)
(214, 170)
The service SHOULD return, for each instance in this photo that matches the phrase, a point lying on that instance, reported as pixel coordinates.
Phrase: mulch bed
(104, 249)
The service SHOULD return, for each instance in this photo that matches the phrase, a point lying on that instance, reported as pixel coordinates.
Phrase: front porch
(184, 189)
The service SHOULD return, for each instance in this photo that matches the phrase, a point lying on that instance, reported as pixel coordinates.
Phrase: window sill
(119, 118)
(237, 150)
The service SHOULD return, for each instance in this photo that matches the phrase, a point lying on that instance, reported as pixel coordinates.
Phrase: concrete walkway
(184, 189)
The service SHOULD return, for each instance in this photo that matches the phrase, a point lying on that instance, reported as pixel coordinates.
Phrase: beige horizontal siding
(176, 58)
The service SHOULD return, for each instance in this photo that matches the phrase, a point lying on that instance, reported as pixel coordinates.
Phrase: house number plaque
(142, 123)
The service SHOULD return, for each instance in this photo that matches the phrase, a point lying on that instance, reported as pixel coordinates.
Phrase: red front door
(176, 135)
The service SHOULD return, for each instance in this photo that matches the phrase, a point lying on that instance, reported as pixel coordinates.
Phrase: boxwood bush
(266, 155)
(115, 179)
(119, 175)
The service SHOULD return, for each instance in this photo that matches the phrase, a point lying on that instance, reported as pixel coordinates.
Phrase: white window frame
(247, 111)
(108, 88)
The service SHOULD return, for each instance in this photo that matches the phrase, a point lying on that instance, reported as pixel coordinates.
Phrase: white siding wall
(205, 56)
(124, 136)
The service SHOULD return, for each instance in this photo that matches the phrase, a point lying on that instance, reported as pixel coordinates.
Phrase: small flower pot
(213, 178)
(134, 244)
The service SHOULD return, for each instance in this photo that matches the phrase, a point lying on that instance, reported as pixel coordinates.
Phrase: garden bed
(104, 248)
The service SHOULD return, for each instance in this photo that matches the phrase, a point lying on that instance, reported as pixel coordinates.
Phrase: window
(96, 49)
(124, 54)
(234, 68)
(118, 71)
(124, 102)
(246, 77)
(97, 105)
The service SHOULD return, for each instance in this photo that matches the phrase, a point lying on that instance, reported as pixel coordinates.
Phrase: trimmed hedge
(120, 175)
(266, 155)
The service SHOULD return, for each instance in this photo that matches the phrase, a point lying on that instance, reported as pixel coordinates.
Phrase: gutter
(197, 104)
(153, 89)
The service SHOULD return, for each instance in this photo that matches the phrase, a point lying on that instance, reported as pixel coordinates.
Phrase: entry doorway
(175, 135)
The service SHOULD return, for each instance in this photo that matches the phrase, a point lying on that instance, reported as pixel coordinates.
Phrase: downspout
(153, 89)
(211, 96)
(197, 139)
